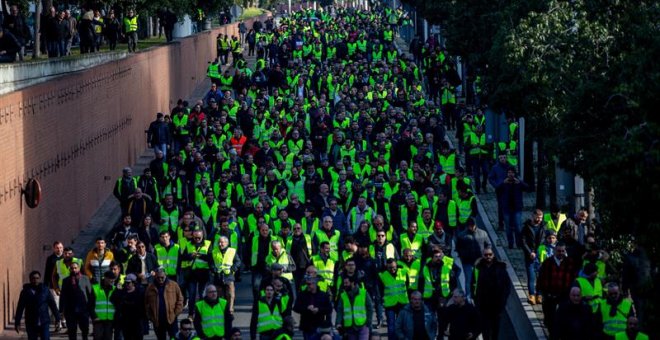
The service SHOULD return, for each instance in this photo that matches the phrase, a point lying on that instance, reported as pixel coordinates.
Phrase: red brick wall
(72, 133)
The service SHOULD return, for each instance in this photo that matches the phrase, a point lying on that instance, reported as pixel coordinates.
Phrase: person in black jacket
(74, 298)
(574, 319)
(158, 135)
(142, 260)
(490, 289)
(130, 313)
(9, 47)
(35, 300)
(533, 233)
(15, 23)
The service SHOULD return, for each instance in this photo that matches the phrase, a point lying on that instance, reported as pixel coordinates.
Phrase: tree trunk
(36, 50)
(552, 180)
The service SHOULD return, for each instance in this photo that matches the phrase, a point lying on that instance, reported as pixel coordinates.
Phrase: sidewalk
(487, 205)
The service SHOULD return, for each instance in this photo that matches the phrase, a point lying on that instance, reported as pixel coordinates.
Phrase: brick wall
(74, 134)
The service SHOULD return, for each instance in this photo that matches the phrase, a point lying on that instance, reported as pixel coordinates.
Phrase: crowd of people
(325, 172)
(61, 30)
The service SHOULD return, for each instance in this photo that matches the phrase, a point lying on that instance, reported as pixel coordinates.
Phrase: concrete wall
(74, 134)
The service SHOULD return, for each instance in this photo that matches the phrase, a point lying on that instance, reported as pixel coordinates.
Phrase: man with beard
(490, 289)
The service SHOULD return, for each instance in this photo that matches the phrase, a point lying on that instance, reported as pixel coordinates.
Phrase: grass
(251, 12)
(121, 46)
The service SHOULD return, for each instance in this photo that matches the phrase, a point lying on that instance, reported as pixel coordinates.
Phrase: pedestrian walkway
(487, 204)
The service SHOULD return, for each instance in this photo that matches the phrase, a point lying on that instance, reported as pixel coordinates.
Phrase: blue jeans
(467, 274)
(40, 331)
(513, 227)
(162, 148)
(377, 298)
(391, 323)
(532, 271)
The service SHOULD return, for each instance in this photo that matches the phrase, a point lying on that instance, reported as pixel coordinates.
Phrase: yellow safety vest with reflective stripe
(412, 272)
(448, 163)
(213, 71)
(283, 259)
(267, 320)
(593, 291)
(213, 317)
(168, 258)
(169, 220)
(131, 24)
(63, 270)
(389, 251)
(181, 122)
(198, 263)
(326, 270)
(624, 336)
(447, 264)
(321, 237)
(395, 288)
(355, 312)
(617, 323)
(223, 262)
(104, 309)
(477, 144)
(465, 209)
(289, 242)
(415, 244)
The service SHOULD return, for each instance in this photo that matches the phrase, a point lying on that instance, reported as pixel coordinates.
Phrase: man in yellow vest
(214, 71)
(212, 316)
(590, 286)
(167, 254)
(632, 331)
(199, 253)
(62, 268)
(102, 306)
(279, 255)
(130, 30)
(614, 312)
(224, 263)
(394, 285)
(354, 311)
(266, 315)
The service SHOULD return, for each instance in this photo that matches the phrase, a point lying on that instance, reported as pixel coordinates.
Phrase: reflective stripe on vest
(617, 323)
(465, 209)
(355, 313)
(389, 251)
(168, 258)
(283, 259)
(395, 288)
(198, 263)
(448, 163)
(103, 308)
(267, 321)
(447, 263)
(412, 271)
(326, 270)
(213, 318)
(593, 291)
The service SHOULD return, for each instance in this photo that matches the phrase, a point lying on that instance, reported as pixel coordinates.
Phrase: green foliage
(251, 12)
(585, 75)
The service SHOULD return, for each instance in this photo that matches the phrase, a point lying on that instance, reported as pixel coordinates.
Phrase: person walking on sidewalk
(491, 286)
(131, 30)
(35, 300)
(532, 235)
(511, 201)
